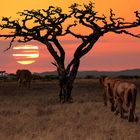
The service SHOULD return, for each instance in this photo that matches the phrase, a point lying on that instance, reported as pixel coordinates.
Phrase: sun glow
(26, 47)
(26, 62)
(26, 54)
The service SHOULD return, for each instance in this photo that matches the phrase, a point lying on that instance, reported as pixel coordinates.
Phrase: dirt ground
(36, 114)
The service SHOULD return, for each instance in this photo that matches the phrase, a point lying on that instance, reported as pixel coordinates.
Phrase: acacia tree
(48, 25)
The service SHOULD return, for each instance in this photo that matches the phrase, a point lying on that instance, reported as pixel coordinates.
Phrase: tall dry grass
(36, 114)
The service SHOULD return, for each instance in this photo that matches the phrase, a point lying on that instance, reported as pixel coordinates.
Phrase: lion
(122, 96)
(24, 78)
(108, 85)
(125, 94)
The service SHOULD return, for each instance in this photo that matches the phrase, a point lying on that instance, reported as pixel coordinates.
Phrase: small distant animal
(24, 78)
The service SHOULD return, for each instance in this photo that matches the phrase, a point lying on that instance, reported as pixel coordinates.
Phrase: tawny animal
(122, 96)
(108, 85)
(24, 78)
(125, 94)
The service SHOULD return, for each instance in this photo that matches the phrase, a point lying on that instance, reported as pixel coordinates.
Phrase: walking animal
(122, 96)
(24, 78)
(125, 94)
(108, 85)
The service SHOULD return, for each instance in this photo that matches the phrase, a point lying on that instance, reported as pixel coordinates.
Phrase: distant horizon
(96, 70)
(79, 70)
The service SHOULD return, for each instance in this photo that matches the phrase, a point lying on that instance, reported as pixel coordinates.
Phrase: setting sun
(26, 54)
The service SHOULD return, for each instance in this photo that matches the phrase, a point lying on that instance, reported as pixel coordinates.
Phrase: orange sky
(111, 52)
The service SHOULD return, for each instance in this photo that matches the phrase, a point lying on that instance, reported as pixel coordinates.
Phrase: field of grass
(36, 114)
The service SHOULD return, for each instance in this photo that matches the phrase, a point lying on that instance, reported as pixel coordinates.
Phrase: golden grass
(36, 114)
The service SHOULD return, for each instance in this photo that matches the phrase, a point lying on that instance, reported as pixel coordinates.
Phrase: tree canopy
(47, 25)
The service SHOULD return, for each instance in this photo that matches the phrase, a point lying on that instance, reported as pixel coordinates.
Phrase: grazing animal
(124, 94)
(24, 78)
(108, 85)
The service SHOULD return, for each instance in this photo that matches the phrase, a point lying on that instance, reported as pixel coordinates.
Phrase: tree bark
(66, 81)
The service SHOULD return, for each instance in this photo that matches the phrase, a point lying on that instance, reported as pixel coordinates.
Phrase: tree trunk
(65, 90)
(66, 81)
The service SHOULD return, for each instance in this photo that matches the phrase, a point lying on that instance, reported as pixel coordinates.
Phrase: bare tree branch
(126, 32)
(137, 14)
(60, 48)
(48, 26)
(68, 31)
(89, 18)
(10, 45)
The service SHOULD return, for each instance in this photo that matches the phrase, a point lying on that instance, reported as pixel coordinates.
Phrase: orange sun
(26, 54)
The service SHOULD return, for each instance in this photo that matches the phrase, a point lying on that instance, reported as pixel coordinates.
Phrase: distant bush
(12, 76)
(129, 77)
(36, 77)
(3, 77)
(50, 77)
(90, 77)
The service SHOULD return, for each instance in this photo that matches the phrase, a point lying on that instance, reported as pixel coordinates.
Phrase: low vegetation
(36, 114)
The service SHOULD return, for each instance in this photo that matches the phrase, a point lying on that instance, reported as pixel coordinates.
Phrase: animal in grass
(24, 78)
(108, 85)
(125, 94)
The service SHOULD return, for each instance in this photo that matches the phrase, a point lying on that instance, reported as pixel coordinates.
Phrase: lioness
(108, 85)
(125, 94)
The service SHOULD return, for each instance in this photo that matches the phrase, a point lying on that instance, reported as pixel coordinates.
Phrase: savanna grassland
(36, 114)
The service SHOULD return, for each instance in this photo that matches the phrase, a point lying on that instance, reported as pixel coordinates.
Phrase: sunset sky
(111, 52)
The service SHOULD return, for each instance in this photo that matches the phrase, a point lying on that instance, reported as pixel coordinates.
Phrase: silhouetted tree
(48, 26)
